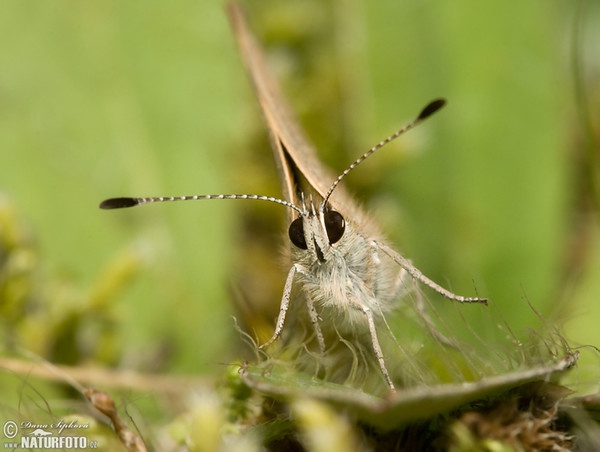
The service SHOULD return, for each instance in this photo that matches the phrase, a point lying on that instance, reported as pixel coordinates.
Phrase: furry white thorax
(343, 278)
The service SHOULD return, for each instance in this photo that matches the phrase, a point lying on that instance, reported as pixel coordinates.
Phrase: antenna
(119, 203)
(429, 109)
(123, 202)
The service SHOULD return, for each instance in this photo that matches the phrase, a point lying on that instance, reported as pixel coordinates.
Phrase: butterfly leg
(428, 321)
(404, 284)
(314, 319)
(416, 274)
(376, 347)
(285, 304)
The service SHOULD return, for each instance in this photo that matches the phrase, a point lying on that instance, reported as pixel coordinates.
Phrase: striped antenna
(119, 203)
(429, 109)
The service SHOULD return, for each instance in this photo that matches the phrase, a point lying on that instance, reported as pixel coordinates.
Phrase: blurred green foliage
(101, 99)
(90, 111)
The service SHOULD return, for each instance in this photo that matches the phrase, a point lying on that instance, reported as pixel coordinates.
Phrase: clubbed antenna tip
(118, 203)
(431, 108)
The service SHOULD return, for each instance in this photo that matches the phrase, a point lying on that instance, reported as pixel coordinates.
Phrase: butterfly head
(317, 229)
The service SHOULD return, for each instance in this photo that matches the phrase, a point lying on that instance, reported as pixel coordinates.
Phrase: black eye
(296, 233)
(335, 226)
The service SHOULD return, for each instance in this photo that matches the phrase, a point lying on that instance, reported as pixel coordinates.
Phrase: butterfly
(342, 269)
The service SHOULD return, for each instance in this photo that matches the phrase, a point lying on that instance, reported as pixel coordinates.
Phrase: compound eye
(296, 233)
(335, 225)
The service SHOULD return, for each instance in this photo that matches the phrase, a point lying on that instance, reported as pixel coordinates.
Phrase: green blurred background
(103, 99)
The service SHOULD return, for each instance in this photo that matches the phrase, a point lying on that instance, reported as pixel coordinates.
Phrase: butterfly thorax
(341, 275)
